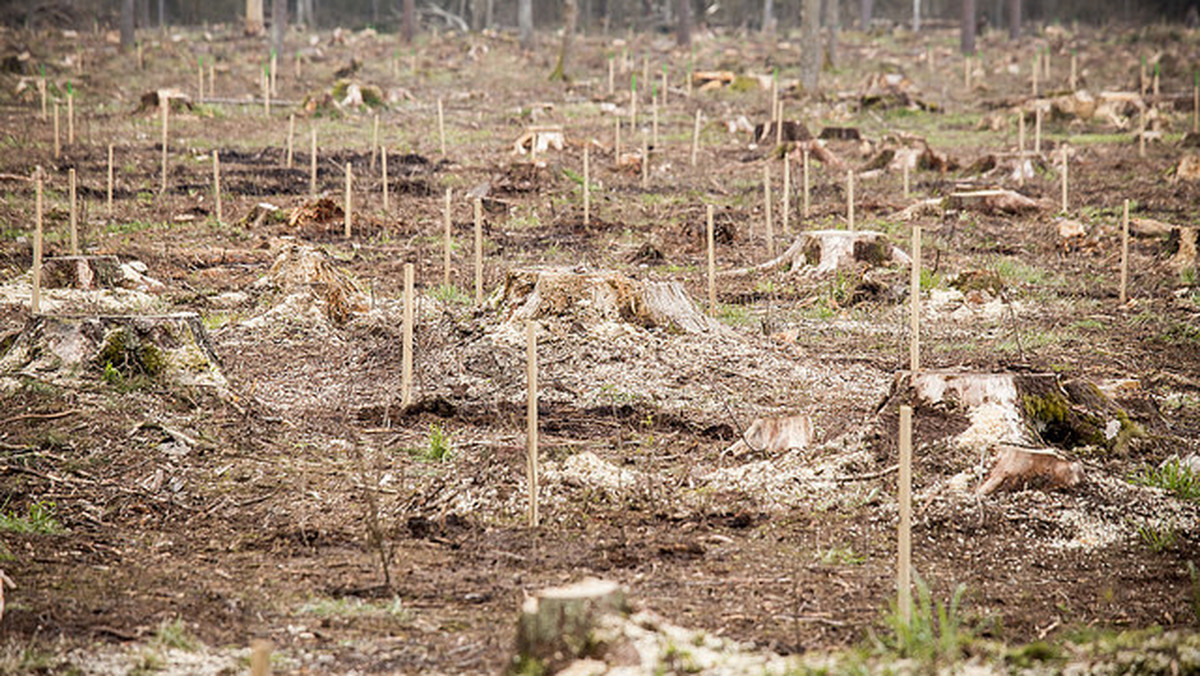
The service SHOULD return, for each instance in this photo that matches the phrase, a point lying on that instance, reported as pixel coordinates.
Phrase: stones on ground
(774, 435)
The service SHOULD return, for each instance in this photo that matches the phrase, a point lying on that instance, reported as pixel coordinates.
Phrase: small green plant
(173, 634)
(843, 556)
(1173, 476)
(1159, 538)
(355, 607)
(39, 520)
(736, 315)
(934, 634)
(438, 447)
(450, 294)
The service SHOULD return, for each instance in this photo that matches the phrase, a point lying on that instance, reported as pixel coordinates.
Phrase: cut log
(712, 78)
(1018, 468)
(991, 202)
(592, 298)
(171, 348)
(152, 101)
(774, 435)
(1188, 168)
(829, 250)
(562, 624)
(790, 132)
(1148, 227)
(82, 272)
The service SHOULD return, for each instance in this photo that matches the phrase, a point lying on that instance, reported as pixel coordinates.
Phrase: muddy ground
(245, 512)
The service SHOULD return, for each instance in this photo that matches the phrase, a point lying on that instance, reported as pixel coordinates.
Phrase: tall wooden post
(531, 421)
(709, 238)
(904, 534)
(216, 159)
(35, 296)
(850, 198)
(74, 213)
(110, 179)
(312, 161)
(383, 164)
(478, 251)
(914, 323)
(587, 188)
(1124, 294)
(441, 127)
(696, 138)
(349, 204)
(770, 229)
(291, 137)
(446, 234)
(166, 107)
(407, 348)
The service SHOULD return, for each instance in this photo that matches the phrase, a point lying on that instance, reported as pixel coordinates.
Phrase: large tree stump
(561, 624)
(830, 250)
(596, 297)
(171, 348)
(309, 272)
(82, 272)
(774, 435)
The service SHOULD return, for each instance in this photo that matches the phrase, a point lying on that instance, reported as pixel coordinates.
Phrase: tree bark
(410, 29)
(1014, 19)
(916, 23)
(834, 18)
(864, 16)
(968, 27)
(278, 25)
(254, 17)
(683, 26)
(525, 23)
(128, 35)
(570, 16)
(810, 57)
(162, 14)
(768, 20)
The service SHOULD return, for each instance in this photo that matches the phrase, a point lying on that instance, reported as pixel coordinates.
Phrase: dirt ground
(260, 510)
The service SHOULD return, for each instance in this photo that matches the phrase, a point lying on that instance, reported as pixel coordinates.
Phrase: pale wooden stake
(383, 162)
(1142, 78)
(1074, 72)
(441, 127)
(654, 123)
(786, 203)
(374, 140)
(1157, 91)
(1036, 68)
(531, 428)
(612, 79)
(906, 180)
(665, 80)
(1021, 148)
(478, 251)
(914, 345)
(217, 183)
(807, 192)
(446, 242)
(42, 91)
(770, 229)
(774, 96)
(274, 71)
(349, 205)
(617, 141)
(74, 213)
(291, 138)
(710, 238)
(1196, 106)
(266, 91)
(166, 116)
(35, 298)
(1142, 133)
(696, 138)
(1046, 65)
(587, 188)
(850, 198)
(1037, 131)
(407, 348)
(110, 179)
(632, 110)
(312, 159)
(1124, 295)
(71, 119)
(645, 164)
(260, 658)
(200, 81)
(212, 79)
(967, 74)
(57, 143)
(904, 531)
(1065, 180)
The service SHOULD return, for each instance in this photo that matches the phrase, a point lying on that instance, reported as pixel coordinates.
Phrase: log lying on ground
(774, 435)
(597, 297)
(991, 202)
(1017, 468)
(562, 624)
(172, 348)
(828, 250)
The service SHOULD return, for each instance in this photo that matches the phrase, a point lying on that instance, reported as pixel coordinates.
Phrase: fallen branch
(868, 476)
(775, 263)
(39, 416)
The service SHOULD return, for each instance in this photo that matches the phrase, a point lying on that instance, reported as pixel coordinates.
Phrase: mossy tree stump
(82, 272)
(561, 624)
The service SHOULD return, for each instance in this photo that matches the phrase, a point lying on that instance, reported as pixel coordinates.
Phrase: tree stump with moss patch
(82, 272)
(561, 624)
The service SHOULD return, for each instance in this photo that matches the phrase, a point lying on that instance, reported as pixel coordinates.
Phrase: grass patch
(841, 556)
(1158, 538)
(356, 607)
(450, 294)
(172, 634)
(732, 314)
(438, 447)
(1172, 476)
(933, 637)
(39, 520)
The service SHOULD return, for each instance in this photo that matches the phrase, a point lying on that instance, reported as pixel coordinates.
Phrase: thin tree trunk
(683, 27)
(143, 15)
(128, 35)
(835, 19)
(410, 29)
(968, 26)
(162, 14)
(525, 23)
(254, 17)
(1014, 19)
(768, 19)
(864, 16)
(278, 24)
(570, 16)
(916, 25)
(810, 56)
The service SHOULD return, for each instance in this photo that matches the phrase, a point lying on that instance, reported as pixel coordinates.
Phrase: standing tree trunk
(254, 17)
(409, 13)
(1014, 19)
(864, 15)
(768, 20)
(834, 19)
(683, 27)
(127, 33)
(525, 23)
(810, 57)
(162, 14)
(570, 12)
(278, 25)
(916, 16)
(968, 26)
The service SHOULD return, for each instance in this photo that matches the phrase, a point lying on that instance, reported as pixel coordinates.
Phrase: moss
(152, 360)
(115, 350)
(339, 89)
(744, 83)
(7, 341)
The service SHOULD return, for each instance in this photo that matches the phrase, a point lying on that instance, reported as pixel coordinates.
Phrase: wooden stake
(407, 348)
(587, 188)
(35, 298)
(786, 204)
(478, 251)
(57, 143)
(779, 124)
(217, 183)
(696, 138)
(266, 91)
(1142, 78)
(1021, 148)
(1196, 103)
(74, 213)
(967, 74)
(1037, 131)
(70, 118)
(200, 80)
(906, 180)
(212, 79)
(654, 124)
(1124, 295)
(665, 83)
(446, 242)
(42, 91)
(645, 164)
(349, 205)
(904, 531)
(441, 127)
(770, 229)
(914, 328)
(312, 159)
(617, 141)
(774, 95)
(1036, 68)
(166, 116)
(531, 427)
(374, 140)
(110, 179)
(1065, 180)
(850, 199)
(383, 162)
(141, 57)
(1074, 72)
(260, 658)
(1157, 91)
(612, 78)
(1142, 133)
(1046, 64)
(712, 262)
(274, 71)
(291, 137)
(807, 193)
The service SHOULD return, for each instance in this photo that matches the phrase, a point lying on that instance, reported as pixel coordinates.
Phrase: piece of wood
(991, 201)
(665, 80)
(709, 238)
(200, 80)
(110, 179)
(260, 658)
(383, 164)
(587, 188)
(70, 117)
(696, 137)
(850, 199)
(1065, 180)
(617, 141)
(212, 78)
(57, 141)
(274, 72)
(87, 273)
(446, 241)
(806, 211)
(1019, 468)
(1074, 82)
(769, 228)
(654, 122)
(559, 625)
(773, 436)
(1037, 130)
(531, 422)
(645, 164)
(266, 92)
(349, 209)
(612, 79)
(914, 346)
(904, 530)
(407, 348)
(1123, 295)
(1196, 103)
(166, 116)
(312, 176)
(42, 91)
(633, 98)
(290, 138)
(374, 140)
(1142, 132)
(441, 120)
(216, 162)
(35, 298)
(74, 213)
(1036, 68)
(785, 208)
(478, 251)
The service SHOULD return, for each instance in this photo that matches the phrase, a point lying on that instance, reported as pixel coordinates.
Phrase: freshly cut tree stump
(595, 297)
(304, 270)
(774, 435)
(561, 624)
(173, 348)
(829, 250)
(82, 272)
(991, 202)
(1018, 468)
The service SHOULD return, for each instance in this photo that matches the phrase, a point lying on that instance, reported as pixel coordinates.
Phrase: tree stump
(991, 202)
(82, 272)
(774, 435)
(561, 624)
(1019, 468)
(830, 250)
(172, 348)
